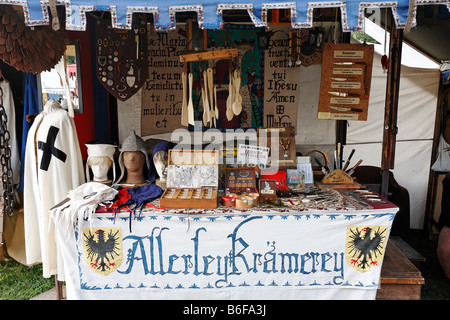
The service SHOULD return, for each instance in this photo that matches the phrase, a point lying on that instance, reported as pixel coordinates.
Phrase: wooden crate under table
(399, 279)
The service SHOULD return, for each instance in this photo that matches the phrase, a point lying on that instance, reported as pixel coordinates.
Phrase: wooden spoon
(206, 105)
(215, 105)
(229, 112)
(184, 106)
(237, 104)
(191, 103)
(211, 94)
(205, 113)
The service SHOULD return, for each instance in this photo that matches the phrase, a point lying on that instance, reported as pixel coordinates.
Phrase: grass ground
(19, 282)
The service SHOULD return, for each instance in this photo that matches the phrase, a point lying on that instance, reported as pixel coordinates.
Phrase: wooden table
(399, 279)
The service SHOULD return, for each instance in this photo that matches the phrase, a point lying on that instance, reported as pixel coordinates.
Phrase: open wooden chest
(240, 180)
(192, 179)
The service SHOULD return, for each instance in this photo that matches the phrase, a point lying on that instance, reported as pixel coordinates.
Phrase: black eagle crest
(365, 247)
(101, 252)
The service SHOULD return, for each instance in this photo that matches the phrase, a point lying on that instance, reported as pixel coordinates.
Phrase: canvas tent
(419, 86)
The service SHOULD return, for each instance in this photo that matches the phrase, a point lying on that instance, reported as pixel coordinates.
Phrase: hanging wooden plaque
(345, 83)
(121, 59)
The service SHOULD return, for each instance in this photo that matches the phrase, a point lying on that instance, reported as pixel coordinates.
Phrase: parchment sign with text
(281, 83)
(162, 93)
(345, 83)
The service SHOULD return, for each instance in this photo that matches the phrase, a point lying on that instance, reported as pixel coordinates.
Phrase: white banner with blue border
(259, 255)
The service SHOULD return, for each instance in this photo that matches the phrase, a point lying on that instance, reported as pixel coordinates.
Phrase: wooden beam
(391, 106)
(209, 55)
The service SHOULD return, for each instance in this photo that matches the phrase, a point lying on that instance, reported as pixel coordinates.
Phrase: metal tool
(329, 165)
(345, 109)
(344, 79)
(343, 94)
(348, 63)
(348, 160)
(352, 170)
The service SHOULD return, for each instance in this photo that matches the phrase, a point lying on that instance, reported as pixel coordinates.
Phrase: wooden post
(58, 288)
(391, 106)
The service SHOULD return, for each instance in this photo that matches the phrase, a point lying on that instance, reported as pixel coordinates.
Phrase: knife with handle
(345, 109)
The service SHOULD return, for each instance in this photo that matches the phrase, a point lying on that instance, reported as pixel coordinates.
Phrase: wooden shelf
(209, 55)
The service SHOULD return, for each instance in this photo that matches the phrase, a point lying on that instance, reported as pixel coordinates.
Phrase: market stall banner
(209, 12)
(264, 253)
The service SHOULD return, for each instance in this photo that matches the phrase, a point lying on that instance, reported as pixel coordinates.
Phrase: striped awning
(209, 12)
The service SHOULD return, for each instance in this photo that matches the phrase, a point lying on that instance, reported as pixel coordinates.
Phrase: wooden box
(399, 278)
(282, 140)
(189, 198)
(267, 190)
(240, 180)
(192, 179)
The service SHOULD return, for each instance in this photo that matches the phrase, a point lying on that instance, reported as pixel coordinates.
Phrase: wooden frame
(209, 55)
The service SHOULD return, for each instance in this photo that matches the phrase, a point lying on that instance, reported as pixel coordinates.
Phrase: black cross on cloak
(49, 149)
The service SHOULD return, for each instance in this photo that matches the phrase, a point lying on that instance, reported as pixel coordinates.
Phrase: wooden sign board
(345, 84)
(283, 140)
(162, 94)
(281, 82)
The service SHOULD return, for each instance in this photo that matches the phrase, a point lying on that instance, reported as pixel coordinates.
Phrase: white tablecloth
(227, 254)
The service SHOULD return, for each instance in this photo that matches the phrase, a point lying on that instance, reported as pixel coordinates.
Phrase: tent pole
(391, 106)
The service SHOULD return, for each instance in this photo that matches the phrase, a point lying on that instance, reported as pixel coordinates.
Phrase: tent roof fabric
(209, 12)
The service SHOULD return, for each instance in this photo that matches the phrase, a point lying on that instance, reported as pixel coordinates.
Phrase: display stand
(338, 179)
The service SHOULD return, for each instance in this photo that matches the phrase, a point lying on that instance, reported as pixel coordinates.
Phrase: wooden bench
(416, 258)
(399, 279)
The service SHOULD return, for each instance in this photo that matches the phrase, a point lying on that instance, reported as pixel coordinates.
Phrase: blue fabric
(30, 106)
(139, 197)
(144, 194)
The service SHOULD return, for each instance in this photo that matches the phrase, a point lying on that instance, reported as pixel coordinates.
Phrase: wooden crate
(197, 197)
(240, 180)
(189, 198)
(189, 156)
(399, 279)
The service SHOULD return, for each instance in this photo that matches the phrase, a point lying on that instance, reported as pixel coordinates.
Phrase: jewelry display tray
(189, 198)
(240, 180)
(198, 197)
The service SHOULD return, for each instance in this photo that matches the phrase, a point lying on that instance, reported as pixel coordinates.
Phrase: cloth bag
(442, 163)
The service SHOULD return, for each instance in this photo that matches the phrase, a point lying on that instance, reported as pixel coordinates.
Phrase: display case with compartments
(192, 179)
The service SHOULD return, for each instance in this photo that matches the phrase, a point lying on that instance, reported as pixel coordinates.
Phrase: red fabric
(121, 198)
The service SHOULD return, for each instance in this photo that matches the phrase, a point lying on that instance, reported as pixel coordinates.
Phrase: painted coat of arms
(365, 246)
(103, 249)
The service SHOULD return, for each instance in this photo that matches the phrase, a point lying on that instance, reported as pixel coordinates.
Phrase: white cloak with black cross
(53, 167)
